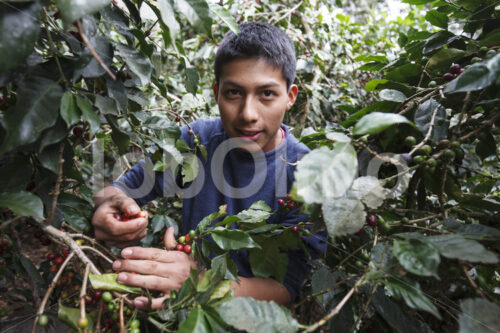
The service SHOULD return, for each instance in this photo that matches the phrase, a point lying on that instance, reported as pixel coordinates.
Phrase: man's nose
(249, 111)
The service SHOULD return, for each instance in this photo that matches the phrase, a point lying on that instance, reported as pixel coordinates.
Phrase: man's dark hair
(258, 40)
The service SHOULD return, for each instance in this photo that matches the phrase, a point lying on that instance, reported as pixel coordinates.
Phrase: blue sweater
(237, 179)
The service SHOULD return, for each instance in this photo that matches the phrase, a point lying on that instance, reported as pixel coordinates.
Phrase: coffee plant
(402, 116)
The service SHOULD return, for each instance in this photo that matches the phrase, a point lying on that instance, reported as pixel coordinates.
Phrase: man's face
(253, 98)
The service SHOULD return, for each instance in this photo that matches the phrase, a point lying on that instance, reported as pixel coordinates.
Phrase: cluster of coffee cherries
(185, 242)
(287, 202)
(112, 309)
(57, 259)
(454, 71)
(125, 217)
(371, 220)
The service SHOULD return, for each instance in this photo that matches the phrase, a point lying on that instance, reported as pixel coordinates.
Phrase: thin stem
(92, 50)
(57, 188)
(336, 309)
(83, 291)
(52, 285)
(96, 251)
(429, 131)
(122, 320)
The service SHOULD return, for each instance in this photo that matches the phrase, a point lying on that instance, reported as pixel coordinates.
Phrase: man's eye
(268, 93)
(233, 92)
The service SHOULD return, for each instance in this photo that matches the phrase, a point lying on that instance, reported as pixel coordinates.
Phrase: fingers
(125, 205)
(151, 282)
(156, 303)
(169, 270)
(169, 239)
(152, 254)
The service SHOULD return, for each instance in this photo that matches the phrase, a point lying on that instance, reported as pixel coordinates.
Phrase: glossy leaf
(479, 76)
(88, 114)
(190, 168)
(324, 174)
(233, 239)
(457, 247)
(16, 175)
(71, 315)
(438, 40)
(223, 14)
(19, 31)
(478, 316)
(120, 137)
(376, 122)
(423, 117)
(108, 282)
(245, 313)
(417, 256)
(475, 231)
(197, 13)
(136, 61)
(269, 262)
(437, 19)
(410, 292)
(168, 17)
(22, 203)
(72, 10)
(36, 111)
(392, 95)
(343, 216)
(195, 322)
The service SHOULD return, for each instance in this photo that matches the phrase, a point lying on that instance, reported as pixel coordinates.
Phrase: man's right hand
(109, 202)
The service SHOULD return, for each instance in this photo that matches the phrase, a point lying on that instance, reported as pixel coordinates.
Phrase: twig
(98, 252)
(52, 285)
(94, 242)
(6, 224)
(99, 316)
(92, 50)
(472, 283)
(464, 108)
(442, 193)
(83, 291)
(429, 131)
(482, 126)
(122, 321)
(57, 188)
(365, 309)
(308, 297)
(336, 309)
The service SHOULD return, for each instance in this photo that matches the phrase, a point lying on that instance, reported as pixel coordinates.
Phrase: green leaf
(409, 291)
(197, 13)
(168, 17)
(233, 239)
(49, 158)
(442, 59)
(72, 10)
(343, 216)
(22, 203)
(478, 203)
(88, 114)
(120, 138)
(438, 40)
(192, 79)
(393, 315)
(417, 2)
(32, 271)
(16, 175)
(492, 38)
(109, 282)
(372, 66)
(224, 15)
(437, 18)
(245, 313)
(190, 168)
(258, 212)
(486, 146)
(479, 76)
(19, 31)
(54, 134)
(382, 106)
(34, 112)
(423, 117)
(71, 315)
(407, 73)
(371, 57)
(323, 174)
(478, 316)
(457, 247)
(136, 61)
(417, 256)
(372, 84)
(106, 105)
(269, 262)
(475, 231)
(392, 95)
(376, 122)
(221, 290)
(195, 322)
(207, 220)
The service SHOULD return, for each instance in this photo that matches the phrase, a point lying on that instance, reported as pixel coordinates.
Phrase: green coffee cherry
(490, 54)
(432, 84)
(410, 141)
(449, 154)
(419, 159)
(43, 320)
(476, 60)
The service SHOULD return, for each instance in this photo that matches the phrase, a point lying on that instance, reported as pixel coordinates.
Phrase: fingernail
(117, 264)
(126, 252)
(122, 277)
(133, 209)
(138, 303)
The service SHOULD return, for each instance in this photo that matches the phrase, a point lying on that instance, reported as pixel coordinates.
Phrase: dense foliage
(403, 118)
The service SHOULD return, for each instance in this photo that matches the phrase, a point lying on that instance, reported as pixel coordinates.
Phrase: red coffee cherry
(179, 247)
(187, 249)
(360, 232)
(178, 118)
(295, 229)
(51, 256)
(372, 220)
(291, 205)
(281, 202)
(58, 261)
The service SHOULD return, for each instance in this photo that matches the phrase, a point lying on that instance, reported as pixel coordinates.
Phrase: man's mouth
(249, 135)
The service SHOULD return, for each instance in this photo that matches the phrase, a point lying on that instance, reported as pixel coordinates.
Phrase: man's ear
(216, 90)
(292, 96)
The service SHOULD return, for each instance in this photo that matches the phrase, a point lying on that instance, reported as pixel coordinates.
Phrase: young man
(250, 158)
